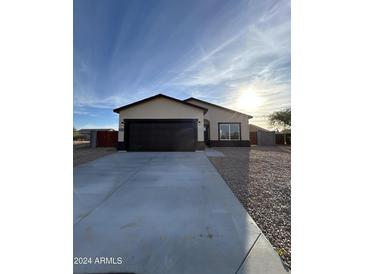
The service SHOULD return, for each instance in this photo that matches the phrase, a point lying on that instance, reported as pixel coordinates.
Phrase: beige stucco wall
(217, 115)
(162, 108)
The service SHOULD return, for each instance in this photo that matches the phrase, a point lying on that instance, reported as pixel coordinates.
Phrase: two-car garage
(160, 134)
(161, 123)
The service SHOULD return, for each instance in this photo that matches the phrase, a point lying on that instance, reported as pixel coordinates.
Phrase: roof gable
(117, 110)
(254, 127)
(217, 106)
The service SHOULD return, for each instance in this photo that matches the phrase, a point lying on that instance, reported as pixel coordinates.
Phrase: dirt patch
(260, 179)
(84, 154)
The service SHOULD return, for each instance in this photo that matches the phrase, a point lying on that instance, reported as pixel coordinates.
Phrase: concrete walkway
(163, 213)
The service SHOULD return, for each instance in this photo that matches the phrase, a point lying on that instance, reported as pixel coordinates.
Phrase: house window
(229, 132)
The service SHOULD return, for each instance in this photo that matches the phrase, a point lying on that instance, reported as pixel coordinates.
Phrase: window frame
(229, 131)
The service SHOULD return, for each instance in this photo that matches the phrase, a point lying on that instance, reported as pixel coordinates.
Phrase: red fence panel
(107, 138)
(253, 138)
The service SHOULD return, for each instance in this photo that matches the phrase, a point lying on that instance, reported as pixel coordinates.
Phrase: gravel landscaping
(83, 153)
(260, 179)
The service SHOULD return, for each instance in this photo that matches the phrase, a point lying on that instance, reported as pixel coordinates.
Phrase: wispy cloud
(96, 102)
(81, 112)
(259, 55)
(216, 50)
(256, 58)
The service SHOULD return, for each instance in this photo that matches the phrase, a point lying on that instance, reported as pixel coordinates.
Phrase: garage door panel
(161, 135)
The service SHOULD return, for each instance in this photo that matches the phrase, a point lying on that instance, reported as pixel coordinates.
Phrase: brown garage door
(161, 134)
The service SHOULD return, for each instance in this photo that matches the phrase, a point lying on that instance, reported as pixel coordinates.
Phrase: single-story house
(163, 123)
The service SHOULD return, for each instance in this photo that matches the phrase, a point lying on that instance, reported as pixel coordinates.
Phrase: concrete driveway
(163, 213)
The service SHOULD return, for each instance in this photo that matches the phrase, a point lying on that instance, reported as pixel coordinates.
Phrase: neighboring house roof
(255, 128)
(158, 96)
(214, 105)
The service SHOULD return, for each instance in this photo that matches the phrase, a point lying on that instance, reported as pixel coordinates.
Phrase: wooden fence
(253, 138)
(107, 138)
(283, 139)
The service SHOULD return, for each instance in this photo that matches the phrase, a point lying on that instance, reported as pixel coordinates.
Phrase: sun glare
(249, 100)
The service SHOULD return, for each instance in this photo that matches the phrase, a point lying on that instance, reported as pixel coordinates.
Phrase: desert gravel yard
(83, 154)
(260, 179)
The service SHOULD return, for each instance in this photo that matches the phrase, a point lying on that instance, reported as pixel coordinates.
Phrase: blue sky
(233, 53)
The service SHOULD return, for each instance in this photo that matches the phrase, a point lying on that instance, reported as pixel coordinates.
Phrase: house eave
(117, 110)
(214, 105)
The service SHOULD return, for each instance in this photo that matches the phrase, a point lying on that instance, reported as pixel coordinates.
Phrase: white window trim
(229, 131)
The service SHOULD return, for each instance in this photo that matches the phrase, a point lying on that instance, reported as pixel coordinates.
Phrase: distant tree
(76, 134)
(281, 119)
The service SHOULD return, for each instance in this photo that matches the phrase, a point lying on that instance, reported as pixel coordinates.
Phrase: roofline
(117, 110)
(205, 102)
(259, 127)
